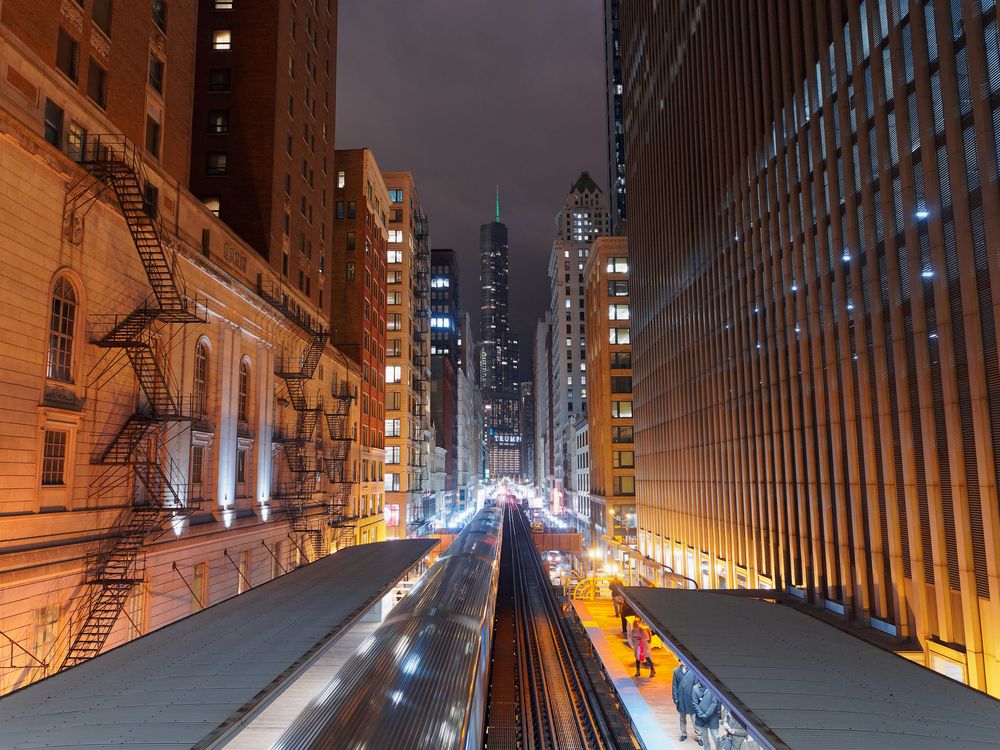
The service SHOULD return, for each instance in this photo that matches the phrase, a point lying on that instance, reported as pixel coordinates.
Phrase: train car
(420, 680)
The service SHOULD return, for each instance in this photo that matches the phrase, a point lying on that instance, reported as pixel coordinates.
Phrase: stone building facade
(173, 420)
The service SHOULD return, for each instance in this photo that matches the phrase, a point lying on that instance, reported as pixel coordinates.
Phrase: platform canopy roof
(178, 685)
(801, 683)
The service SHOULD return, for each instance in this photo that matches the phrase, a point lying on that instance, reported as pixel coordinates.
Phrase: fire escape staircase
(338, 468)
(112, 162)
(296, 497)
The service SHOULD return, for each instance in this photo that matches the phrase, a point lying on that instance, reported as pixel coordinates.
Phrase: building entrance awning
(797, 682)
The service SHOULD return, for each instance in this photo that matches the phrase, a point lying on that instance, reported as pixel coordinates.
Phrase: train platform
(250, 662)
(647, 699)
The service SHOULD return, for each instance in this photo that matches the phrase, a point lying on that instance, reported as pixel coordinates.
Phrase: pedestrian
(640, 638)
(625, 611)
(706, 716)
(683, 700)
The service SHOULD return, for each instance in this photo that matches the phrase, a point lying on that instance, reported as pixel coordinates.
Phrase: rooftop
(805, 684)
(174, 687)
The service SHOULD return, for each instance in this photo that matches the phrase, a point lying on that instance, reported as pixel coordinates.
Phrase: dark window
(54, 458)
(621, 384)
(351, 240)
(102, 15)
(150, 199)
(352, 210)
(156, 73)
(241, 466)
(219, 79)
(340, 209)
(67, 54)
(97, 84)
(218, 164)
(218, 121)
(152, 136)
(160, 14)
(53, 123)
(621, 360)
(350, 271)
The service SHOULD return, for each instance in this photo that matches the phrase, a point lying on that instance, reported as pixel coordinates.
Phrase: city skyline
(537, 68)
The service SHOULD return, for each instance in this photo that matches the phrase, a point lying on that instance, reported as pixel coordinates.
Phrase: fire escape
(138, 452)
(421, 361)
(295, 497)
(339, 467)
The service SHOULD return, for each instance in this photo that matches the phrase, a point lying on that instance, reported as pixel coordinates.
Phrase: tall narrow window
(102, 15)
(197, 468)
(156, 73)
(62, 324)
(160, 14)
(200, 394)
(53, 123)
(67, 55)
(97, 84)
(54, 458)
(244, 406)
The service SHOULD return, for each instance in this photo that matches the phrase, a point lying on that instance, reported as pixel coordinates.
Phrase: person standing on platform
(706, 716)
(640, 638)
(625, 611)
(681, 692)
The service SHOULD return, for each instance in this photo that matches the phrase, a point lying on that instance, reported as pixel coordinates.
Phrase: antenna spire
(498, 204)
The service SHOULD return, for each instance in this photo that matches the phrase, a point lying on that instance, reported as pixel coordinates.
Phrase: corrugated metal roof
(173, 687)
(812, 685)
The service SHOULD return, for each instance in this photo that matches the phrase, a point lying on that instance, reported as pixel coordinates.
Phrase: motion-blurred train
(420, 680)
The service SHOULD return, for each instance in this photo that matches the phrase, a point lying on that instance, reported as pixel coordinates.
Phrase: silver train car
(420, 680)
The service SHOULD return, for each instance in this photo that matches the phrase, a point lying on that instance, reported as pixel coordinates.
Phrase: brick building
(408, 440)
(609, 383)
(263, 137)
(357, 268)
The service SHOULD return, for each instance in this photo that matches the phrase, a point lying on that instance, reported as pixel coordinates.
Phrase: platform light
(922, 213)
(927, 273)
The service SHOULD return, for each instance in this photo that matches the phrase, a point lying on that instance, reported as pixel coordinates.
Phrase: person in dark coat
(706, 716)
(681, 691)
(625, 611)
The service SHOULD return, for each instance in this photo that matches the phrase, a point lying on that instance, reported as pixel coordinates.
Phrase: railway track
(542, 696)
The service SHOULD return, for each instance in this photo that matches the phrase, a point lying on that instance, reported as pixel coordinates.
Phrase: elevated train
(420, 680)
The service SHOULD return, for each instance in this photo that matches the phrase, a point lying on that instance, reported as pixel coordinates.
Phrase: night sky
(466, 94)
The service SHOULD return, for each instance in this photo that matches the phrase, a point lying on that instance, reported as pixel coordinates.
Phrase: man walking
(706, 716)
(681, 692)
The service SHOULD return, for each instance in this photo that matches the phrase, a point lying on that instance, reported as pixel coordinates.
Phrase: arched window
(62, 325)
(200, 395)
(244, 405)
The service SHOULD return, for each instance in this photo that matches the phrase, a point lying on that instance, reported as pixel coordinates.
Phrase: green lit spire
(498, 204)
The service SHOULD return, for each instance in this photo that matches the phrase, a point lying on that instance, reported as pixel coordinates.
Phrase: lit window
(244, 394)
(341, 178)
(617, 265)
(222, 5)
(200, 393)
(393, 373)
(395, 235)
(394, 256)
(619, 336)
(217, 164)
(62, 325)
(222, 39)
(218, 121)
(618, 312)
(213, 204)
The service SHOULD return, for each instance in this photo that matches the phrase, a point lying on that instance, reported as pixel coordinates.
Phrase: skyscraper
(584, 217)
(813, 207)
(445, 335)
(498, 353)
(263, 141)
(616, 111)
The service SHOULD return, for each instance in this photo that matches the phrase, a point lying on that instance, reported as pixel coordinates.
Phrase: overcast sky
(468, 94)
